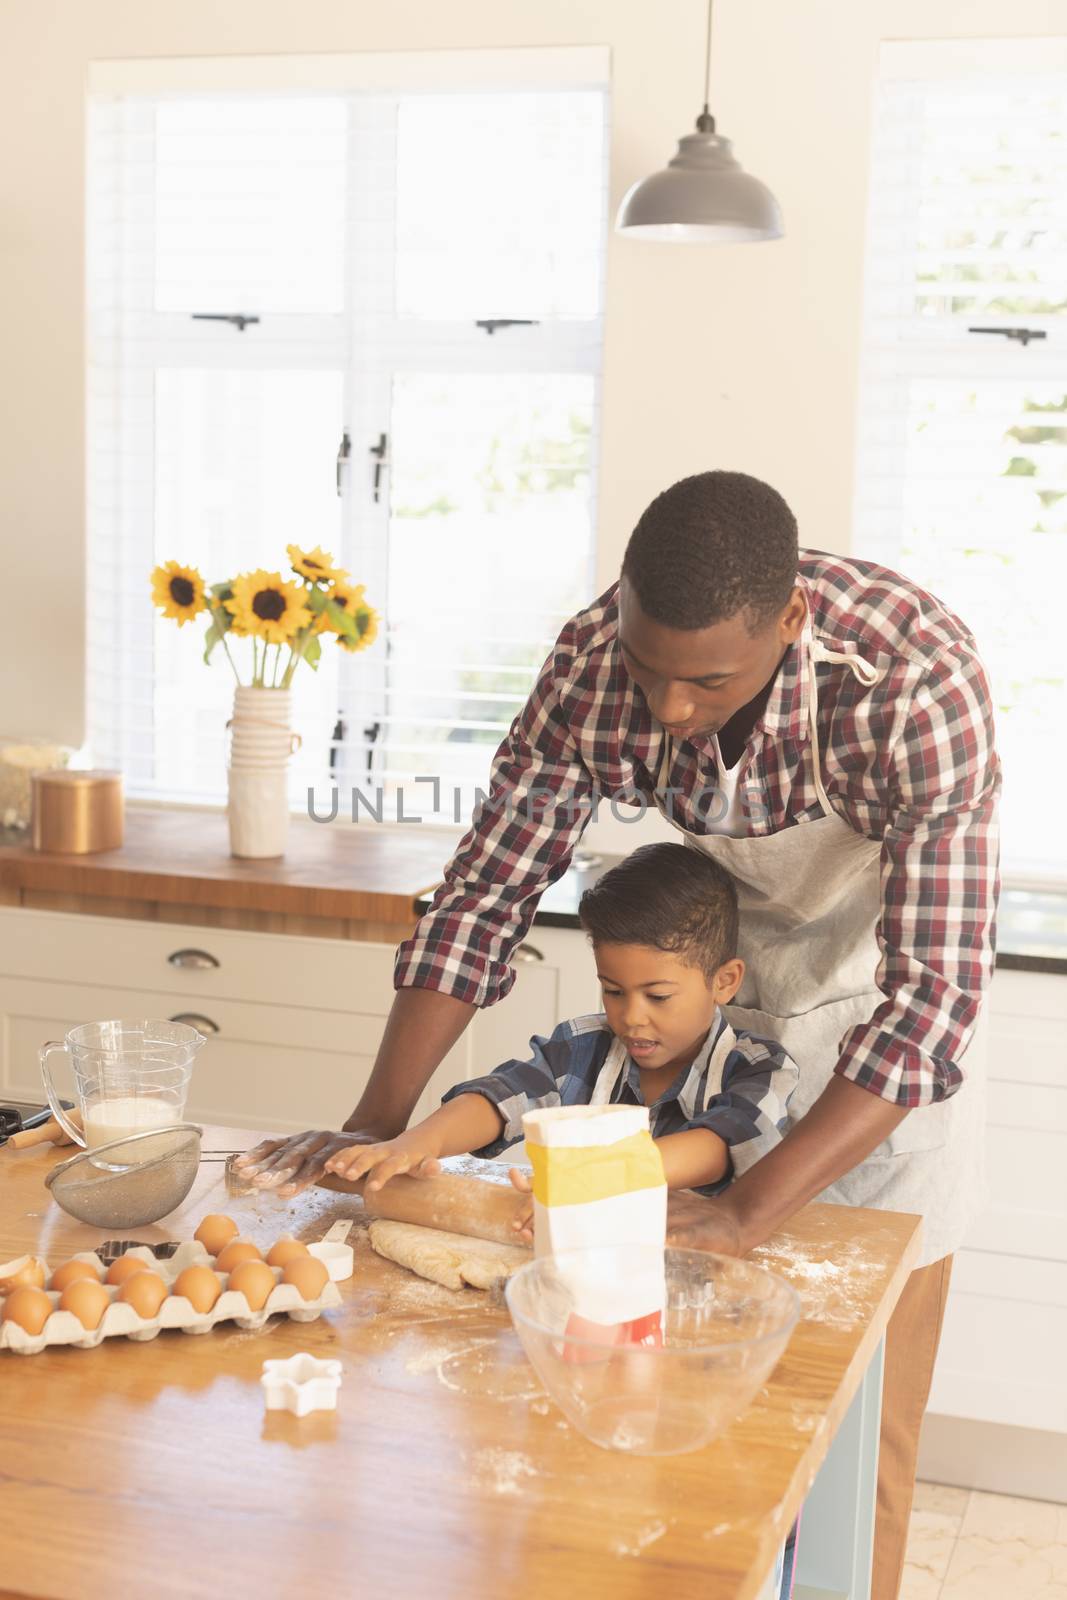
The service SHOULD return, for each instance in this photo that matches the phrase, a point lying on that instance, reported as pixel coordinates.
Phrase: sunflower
(348, 596)
(366, 620)
(314, 565)
(179, 590)
(265, 605)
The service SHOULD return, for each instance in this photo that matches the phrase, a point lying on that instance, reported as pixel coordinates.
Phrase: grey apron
(809, 899)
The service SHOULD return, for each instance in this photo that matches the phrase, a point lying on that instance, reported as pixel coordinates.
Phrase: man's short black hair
(711, 547)
(669, 897)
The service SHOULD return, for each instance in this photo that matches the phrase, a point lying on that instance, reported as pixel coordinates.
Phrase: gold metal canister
(77, 812)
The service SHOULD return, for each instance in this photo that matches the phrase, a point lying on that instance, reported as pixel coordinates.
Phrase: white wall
(743, 357)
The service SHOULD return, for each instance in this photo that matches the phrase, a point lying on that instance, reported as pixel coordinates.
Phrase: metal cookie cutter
(301, 1384)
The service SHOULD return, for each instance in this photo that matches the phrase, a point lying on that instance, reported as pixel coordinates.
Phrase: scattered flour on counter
(502, 1471)
(831, 1291)
(240, 1335)
(478, 1366)
(438, 1355)
(427, 1300)
(640, 1541)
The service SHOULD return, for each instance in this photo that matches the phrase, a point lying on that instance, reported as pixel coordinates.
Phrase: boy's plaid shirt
(909, 762)
(745, 1104)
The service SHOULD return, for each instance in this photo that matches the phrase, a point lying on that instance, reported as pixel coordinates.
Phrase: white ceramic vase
(260, 746)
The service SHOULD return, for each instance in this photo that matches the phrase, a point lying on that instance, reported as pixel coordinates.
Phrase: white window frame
(120, 635)
(900, 346)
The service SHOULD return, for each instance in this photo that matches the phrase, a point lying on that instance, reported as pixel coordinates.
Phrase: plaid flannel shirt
(747, 1108)
(909, 762)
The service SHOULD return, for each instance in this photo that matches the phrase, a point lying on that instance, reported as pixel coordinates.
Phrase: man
(823, 728)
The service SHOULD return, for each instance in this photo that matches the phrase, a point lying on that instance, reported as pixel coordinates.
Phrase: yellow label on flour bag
(598, 1184)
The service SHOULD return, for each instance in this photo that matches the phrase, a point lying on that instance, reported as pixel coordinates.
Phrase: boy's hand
(523, 1219)
(414, 1153)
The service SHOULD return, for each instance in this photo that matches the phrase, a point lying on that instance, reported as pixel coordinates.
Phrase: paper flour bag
(598, 1181)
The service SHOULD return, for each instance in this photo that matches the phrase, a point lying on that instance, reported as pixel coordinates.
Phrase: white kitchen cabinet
(293, 1023)
(1001, 1356)
(555, 978)
(268, 1066)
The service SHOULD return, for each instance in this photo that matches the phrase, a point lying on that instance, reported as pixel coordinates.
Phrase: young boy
(663, 925)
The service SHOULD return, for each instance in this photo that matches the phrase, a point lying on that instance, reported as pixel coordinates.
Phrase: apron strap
(860, 668)
(666, 762)
(609, 1074)
(863, 669)
(717, 1064)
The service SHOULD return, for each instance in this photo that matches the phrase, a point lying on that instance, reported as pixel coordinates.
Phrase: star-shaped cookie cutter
(301, 1384)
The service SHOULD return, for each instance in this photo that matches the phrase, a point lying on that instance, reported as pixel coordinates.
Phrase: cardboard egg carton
(63, 1327)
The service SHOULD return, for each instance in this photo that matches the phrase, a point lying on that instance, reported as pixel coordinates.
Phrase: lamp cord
(707, 61)
(705, 121)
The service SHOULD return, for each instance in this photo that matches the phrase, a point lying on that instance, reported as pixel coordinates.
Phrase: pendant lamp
(702, 196)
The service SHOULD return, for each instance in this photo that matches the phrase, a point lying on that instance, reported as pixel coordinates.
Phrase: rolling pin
(481, 1208)
(48, 1132)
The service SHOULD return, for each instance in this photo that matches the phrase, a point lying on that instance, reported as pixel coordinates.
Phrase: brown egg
(145, 1292)
(30, 1308)
(240, 1250)
(24, 1273)
(215, 1233)
(200, 1287)
(88, 1301)
(307, 1276)
(254, 1280)
(125, 1267)
(71, 1271)
(284, 1251)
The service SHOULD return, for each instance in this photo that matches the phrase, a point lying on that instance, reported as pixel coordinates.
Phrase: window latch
(371, 733)
(491, 324)
(344, 450)
(337, 739)
(238, 318)
(380, 452)
(1020, 335)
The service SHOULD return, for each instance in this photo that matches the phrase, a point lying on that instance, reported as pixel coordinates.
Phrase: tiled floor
(966, 1545)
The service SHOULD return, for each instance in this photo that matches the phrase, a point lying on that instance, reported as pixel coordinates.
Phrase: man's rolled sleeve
(939, 890)
(521, 841)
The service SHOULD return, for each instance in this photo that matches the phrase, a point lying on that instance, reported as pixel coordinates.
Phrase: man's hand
(415, 1153)
(523, 1219)
(294, 1163)
(842, 1128)
(695, 1222)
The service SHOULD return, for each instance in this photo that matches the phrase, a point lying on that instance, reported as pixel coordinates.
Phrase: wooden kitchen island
(153, 1468)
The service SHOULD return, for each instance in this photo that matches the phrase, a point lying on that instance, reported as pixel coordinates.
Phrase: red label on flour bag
(580, 1334)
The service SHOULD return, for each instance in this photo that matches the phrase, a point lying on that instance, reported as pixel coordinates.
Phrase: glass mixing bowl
(725, 1326)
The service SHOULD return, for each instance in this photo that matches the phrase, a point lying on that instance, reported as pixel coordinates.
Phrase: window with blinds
(962, 456)
(362, 316)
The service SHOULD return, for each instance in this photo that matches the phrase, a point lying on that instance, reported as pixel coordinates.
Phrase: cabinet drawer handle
(200, 959)
(193, 1019)
(528, 952)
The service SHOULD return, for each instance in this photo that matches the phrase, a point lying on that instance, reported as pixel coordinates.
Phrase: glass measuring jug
(129, 1076)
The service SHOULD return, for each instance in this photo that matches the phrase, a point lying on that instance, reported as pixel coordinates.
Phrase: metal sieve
(114, 1186)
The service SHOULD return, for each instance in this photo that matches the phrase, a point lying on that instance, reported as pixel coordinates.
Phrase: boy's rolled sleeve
(516, 1087)
(749, 1112)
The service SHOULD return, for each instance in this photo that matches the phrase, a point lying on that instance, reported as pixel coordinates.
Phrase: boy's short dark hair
(669, 897)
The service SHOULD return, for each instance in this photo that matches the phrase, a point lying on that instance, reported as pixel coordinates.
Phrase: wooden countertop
(183, 858)
(154, 1469)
